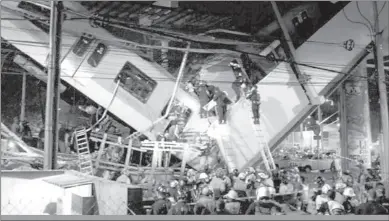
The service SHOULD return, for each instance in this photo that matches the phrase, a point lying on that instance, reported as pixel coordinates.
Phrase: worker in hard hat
(162, 205)
(232, 203)
(180, 207)
(255, 99)
(124, 177)
(203, 94)
(222, 101)
(205, 204)
(218, 184)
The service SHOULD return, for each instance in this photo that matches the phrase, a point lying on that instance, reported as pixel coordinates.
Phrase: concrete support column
(355, 119)
(343, 128)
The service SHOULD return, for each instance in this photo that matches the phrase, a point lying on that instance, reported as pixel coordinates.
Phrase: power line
(357, 22)
(98, 75)
(359, 10)
(161, 79)
(123, 52)
(324, 66)
(337, 44)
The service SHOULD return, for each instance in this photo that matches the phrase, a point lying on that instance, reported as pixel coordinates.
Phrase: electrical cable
(357, 22)
(293, 83)
(382, 8)
(359, 10)
(281, 60)
(39, 44)
(106, 109)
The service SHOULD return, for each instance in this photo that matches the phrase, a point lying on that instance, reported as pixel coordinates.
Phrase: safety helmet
(232, 194)
(174, 184)
(203, 176)
(349, 192)
(162, 189)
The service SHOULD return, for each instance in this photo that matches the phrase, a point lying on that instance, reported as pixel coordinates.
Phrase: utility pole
(52, 94)
(23, 100)
(383, 98)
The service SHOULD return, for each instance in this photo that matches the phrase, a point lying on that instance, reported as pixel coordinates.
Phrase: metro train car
(95, 67)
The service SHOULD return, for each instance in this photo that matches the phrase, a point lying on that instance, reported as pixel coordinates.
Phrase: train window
(136, 82)
(97, 55)
(82, 45)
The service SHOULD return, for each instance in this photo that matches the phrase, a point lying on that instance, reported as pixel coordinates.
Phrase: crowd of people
(257, 192)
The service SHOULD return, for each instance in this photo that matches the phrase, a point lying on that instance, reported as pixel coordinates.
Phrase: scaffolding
(161, 154)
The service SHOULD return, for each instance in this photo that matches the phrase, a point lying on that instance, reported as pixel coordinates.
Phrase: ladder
(83, 152)
(263, 145)
(225, 147)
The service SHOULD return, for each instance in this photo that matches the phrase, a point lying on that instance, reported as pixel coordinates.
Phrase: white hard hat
(174, 183)
(203, 176)
(262, 192)
(232, 194)
(263, 175)
(242, 176)
(349, 192)
(340, 186)
(325, 189)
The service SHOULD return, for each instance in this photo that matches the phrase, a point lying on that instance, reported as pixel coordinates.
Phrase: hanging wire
(357, 22)
(360, 12)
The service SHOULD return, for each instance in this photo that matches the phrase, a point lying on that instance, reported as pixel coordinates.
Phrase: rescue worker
(332, 207)
(218, 184)
(203, 94)
(176, 129)
(263, 203)
(205, 205)
(240, 185)
(220, 208)
(63, 136)
(16, 127)
(227, 180)
(349, 203)
(26, 130)
(173, 190)
(161, 206)
(26, 133)
(240, 82)
(320, 194)
(304, 196)
(336, 168)
(255, 99)
(181, 207)
(236, 68)
(232, 205)
(238, 85)
(380, 194)
(221, 105)
(371, 207)
(124, 177)
(339, 188)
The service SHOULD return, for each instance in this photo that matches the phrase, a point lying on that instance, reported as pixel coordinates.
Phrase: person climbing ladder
(255, 102)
